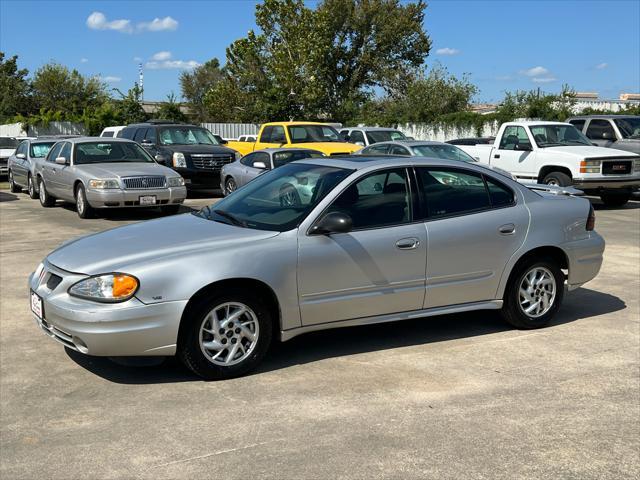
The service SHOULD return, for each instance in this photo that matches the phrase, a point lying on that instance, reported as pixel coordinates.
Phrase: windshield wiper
(235, 220)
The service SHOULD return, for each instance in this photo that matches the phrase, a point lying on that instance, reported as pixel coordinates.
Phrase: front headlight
(179, 161)
(175, 181)
(104, 184)
(109, 288)
(238, 155)
(636, 165)
(590, 166)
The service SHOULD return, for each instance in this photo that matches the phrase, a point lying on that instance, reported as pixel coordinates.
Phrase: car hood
(142, 242)
(121, 169)
(327, 147)
(587, 151)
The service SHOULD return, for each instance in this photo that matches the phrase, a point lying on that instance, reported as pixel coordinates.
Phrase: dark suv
(190, 150)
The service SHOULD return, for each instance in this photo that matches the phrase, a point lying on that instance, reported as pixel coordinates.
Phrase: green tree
(57, 88)
(14, 89)
(129, 106)
(195, 85)
(322, 63)
(170, 110)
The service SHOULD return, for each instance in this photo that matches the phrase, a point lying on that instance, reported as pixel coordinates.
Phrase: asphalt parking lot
(461, 396)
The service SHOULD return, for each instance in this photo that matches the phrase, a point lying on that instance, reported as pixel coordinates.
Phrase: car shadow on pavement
(316, 346)
(8, 197)
(125, 214)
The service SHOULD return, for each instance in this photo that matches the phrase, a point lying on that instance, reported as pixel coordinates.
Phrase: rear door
(474, 225)
(515, 153)
(19, 166)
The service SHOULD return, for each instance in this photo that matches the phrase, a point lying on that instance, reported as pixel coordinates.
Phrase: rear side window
(376, 150)
(500, 195)
(398, 150)
(579, 124)
(452, 192)
(107, 134)
(128, 133)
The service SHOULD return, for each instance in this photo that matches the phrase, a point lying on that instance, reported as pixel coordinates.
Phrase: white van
(112, 131)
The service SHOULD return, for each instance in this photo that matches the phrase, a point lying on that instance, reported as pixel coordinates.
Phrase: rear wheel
(46, 200)
(534, 294)
(615, 199)
(31, 187)
(82, 205)
(230, 186)
(225, 336)
(13, 186)
(558, 179)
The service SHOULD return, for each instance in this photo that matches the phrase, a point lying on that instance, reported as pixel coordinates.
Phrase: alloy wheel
(537, 292)
(229, 334)
(231, 186)
(80, 202)
(31, 187)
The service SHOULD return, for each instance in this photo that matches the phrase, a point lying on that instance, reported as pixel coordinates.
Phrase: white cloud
(111, 79)
(602, 66)
(535, 72)
(160, 56)
(159, 24)
(137, 59)
(84, 60)
(447, 51)
(543, 79)
(98, 21)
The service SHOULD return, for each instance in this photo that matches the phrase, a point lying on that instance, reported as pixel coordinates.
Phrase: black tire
(190, 351)
(82, 205)
(615, 199)
(512, 310)
(31, 188)
(46, 200)
(230, 186)
(170, 209)
(557, 178)
(13, 186)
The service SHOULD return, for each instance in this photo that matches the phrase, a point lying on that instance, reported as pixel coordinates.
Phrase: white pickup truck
(555, 153)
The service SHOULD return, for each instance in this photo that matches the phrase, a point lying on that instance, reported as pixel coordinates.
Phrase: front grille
(141, 183)
(617, 167)
(208, 161)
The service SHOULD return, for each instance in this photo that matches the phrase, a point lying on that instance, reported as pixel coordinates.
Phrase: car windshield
(282, 158)
(313, 133)
(558, 135)
(186, 136)
(447, 151)
(278, 200)
(40, 150)
(629, 127)
(377, 136)
(110, 152)
(8, 142)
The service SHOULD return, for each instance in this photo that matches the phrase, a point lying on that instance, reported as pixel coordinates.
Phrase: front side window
(8, 142)
(515, 138)
(186, 136)
(377, 136)
(279, 200)
(261, 157)
(446, 151)
(313, 133)
(398, 150)
(40, 150)
(356, 136)
(282, 158)
(376, 150)
(66, 151)
(579, 124)
(110, 152)
(629, 127)
(247, 160)
(139, 136)
(22, 148)
(127, 133)
(379, 199)
(558, 135)
(53, 153)
(452, 192)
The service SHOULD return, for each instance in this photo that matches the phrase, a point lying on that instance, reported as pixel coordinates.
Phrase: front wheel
(615, 199)
(225, 336)
(46, 200)
(13, 186)
(31, 188)
(557, 179)
(230, 186)
(82, 205)
(534, 294)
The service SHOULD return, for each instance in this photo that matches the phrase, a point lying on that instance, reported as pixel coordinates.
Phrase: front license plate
(148, 200)
(36, 305)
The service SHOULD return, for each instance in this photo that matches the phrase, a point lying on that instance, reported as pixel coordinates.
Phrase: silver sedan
(98, 173)
(378, 240)
(235, 175)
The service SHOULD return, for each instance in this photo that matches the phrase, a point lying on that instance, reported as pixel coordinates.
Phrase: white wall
(442, 133)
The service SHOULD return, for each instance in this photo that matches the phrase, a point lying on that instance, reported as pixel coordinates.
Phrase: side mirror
(61, 161)
(161, 159)
(333, 222)
(21, 155)
(360, 143)
(260, 165)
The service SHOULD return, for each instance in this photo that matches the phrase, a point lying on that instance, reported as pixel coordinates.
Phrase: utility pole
(141, 81)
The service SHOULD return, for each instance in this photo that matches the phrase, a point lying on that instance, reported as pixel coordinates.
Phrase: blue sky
(502, 45)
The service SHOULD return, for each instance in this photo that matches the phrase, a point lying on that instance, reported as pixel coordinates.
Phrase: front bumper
(200, 179)
(131, 328)
(4, 166)
(585, 259)
(630, 182)
(116, 198)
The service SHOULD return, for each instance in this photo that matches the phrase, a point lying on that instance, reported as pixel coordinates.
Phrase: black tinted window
(139, 136)
(107, 134)
(598, 128)
(500, 194)
(398, 150)
(379, 199)
(451, 192)
(265, 137)
(248, 159)
(150, 136)
(127, 133)
(54, 152)
(376, 150)
(66, 151)
(579, 124)
(356, 136)
(22, 148)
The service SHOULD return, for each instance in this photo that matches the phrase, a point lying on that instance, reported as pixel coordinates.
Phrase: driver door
(377, 268)
(515, 153)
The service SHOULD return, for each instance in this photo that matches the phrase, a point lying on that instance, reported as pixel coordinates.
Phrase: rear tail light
(591, 220)
(590, 166)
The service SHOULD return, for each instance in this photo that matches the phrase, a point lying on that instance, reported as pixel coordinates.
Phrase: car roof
(576, 117)
(284, 124)
(362, 162)
(409, 143)
(372, 129)
(95, 139)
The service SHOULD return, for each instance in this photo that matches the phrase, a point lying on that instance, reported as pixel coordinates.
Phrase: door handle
(507, 229)
(496, 156)
(407, 243)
